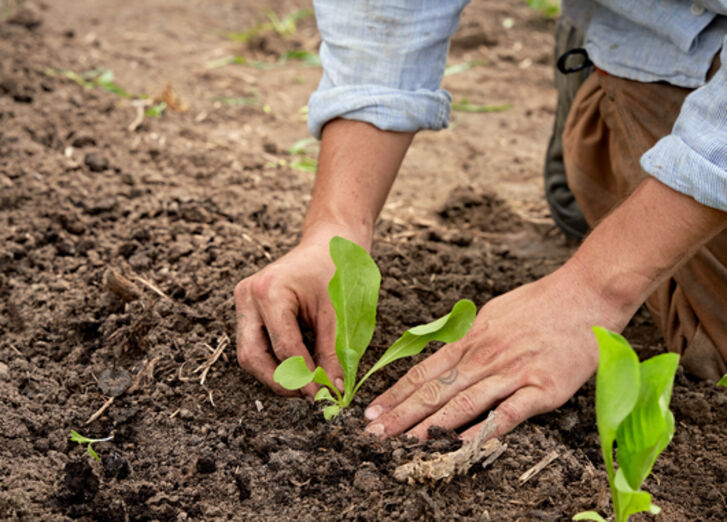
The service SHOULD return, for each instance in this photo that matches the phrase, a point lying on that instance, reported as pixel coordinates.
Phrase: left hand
(527, 353)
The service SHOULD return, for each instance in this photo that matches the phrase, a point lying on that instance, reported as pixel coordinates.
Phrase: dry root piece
(457, 462)
(119, 285)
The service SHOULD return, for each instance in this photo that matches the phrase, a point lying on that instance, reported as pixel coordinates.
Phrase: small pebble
(4, 370)
(185, 414)
(95, 162)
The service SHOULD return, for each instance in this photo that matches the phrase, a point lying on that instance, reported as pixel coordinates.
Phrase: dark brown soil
(190, 203)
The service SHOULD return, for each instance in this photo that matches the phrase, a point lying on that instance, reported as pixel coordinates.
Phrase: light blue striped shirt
(383, 62)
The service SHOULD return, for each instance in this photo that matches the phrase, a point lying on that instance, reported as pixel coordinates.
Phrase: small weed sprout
(354, 293)
(77, 437)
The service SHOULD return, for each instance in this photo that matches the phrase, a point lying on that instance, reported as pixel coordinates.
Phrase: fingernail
(339, 384)
(373, 412)
(375, 429)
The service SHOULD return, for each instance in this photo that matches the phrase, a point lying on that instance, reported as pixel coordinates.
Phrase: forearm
(642, 242)
(356, 167)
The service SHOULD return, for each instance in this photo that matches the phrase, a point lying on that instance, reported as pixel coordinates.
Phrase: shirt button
(697, 10)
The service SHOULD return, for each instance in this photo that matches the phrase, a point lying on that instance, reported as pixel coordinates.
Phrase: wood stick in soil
(457, 462)
(540, 466)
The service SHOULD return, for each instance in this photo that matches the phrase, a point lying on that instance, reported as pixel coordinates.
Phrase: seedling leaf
(77, 437)
(324, 394)
(305, 164)
(448, 329)
(617, 388)
(156, 110)
(331, 411)
(465, 106)
(632, 409)
(301, 146)
(589, 515)
(723, 381)
(647, 430)
(354, 291)
(293, 373)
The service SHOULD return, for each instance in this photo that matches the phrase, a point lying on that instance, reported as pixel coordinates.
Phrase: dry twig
(100, 411)
(540, 466)
(457, 462)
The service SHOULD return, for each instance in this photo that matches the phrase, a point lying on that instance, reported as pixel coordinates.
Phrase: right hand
(271, 301)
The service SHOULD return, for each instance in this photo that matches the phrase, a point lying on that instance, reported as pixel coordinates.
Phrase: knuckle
(430, 394)
(510, 412)
(261, 286)
(416, 376)
(329, 360)
(241, 289)
(285, 349)
(465, 403)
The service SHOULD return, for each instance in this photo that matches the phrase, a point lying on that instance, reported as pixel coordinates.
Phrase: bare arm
(357, 165)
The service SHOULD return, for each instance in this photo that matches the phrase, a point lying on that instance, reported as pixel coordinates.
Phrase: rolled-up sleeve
(383, 62)
(693, 158)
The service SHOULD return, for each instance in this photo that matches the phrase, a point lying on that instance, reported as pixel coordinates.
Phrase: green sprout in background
(77, 437)
(723, 381)
(632, 410)
(549, 8)
(283, 27)
(103, 78)
(354, 293)
(464, 105)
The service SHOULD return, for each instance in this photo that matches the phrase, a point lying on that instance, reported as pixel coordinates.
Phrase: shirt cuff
(680, 167)
(693, 158)
(384, 107)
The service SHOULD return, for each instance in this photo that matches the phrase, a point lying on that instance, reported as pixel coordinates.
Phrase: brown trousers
(612, 122)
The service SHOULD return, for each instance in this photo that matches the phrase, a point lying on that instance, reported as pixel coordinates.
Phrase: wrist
(320, 229)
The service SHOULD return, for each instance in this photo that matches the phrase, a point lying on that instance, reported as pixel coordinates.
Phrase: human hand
(269, 303)
(527, 353)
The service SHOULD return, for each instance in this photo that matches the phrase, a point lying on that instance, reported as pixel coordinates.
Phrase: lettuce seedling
(77, 437)
(354, 293)
(632, 410)
(723, 381)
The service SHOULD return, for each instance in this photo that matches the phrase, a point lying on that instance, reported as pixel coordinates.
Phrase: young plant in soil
(77, 437)
(723, 381)
(632, 410)
(354, 293)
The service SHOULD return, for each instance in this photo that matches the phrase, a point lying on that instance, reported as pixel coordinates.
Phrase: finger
(520, 406)
(326, 347)
(281, 321)
(466, 405)
(424, 402)
(253, 351)
(434, 366)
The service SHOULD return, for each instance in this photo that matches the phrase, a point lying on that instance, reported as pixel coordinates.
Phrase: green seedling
(723, 381)
(548, 8)
(284, 27)
(305, 149)
(632, 410)
(156, 110)
(354, 292)
(77, 437)
(462, 67)
(464, 105)
(305, 57)
(103, 78)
